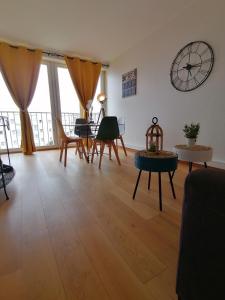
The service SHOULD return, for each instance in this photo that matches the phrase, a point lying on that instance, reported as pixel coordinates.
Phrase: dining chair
(108, 131)
(121, 125)
(65, 140)
(84, 130)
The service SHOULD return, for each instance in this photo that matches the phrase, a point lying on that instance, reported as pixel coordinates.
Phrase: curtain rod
(53, 54)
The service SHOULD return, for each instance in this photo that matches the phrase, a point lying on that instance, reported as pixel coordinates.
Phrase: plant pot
(191, 142)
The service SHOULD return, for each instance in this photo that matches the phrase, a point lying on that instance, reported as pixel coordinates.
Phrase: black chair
(201, 265)
(84, 130)
(108, 131)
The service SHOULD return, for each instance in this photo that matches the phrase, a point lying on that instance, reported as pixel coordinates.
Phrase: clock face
(192, 66)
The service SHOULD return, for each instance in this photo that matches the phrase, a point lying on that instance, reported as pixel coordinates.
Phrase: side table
(195, 153)
(162, 161)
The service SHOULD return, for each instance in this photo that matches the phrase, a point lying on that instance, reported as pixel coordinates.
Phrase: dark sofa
(201, 263)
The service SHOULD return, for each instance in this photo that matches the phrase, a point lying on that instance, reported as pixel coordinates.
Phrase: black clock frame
(208, 73)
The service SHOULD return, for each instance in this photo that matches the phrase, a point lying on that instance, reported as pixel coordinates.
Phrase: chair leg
(94, 147)
(65, 157)
(101, 154)
(83, 151)
(61, 151)
(116, 152)
(124, 148)
(78, 150)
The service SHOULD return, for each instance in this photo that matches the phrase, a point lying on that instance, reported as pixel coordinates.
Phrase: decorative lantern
(154, 137)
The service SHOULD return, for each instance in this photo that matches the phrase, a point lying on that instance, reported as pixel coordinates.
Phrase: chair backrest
(108, 129)
(82, 130)
(60, 129)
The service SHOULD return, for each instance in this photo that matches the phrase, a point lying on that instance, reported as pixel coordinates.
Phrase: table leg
(190, 166)
(205, 164)
(135, 190)
(88, 152)
(172, 186)
(160, 192)
(149, 180)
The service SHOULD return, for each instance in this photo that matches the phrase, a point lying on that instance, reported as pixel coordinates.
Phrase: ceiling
(96, 29)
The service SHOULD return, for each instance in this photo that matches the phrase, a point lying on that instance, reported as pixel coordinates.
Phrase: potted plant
(191, 133)
(152, 147)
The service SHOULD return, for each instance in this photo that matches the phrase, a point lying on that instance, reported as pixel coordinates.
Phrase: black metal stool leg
(190, 166)
(3, 180)
(149, 180)
(173, 173)
(160, 192)
(205, 164)
(135, 190)
(172, 186)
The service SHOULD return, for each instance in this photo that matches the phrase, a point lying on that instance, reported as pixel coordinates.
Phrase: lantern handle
(155, 120)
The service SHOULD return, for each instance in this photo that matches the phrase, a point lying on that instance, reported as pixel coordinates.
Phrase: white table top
(195, 153)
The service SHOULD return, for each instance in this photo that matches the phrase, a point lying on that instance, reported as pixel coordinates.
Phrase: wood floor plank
(140, 259)
(76, 271)
(39, 268)
(12, 286)
(118, 279)
(75, 232)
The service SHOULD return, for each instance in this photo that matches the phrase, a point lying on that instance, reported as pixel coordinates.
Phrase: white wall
(155, 94)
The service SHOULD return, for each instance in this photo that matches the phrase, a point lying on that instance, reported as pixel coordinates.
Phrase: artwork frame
(129, 83)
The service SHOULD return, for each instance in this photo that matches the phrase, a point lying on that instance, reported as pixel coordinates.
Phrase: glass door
(40, 111)
(69, 102)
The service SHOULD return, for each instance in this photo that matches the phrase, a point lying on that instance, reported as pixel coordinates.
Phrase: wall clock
(192, 66)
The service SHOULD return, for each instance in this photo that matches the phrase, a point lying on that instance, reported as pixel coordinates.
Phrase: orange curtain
(85, 75)
(20, 69)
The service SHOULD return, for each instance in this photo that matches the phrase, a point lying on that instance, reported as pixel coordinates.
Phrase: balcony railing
(42, 128)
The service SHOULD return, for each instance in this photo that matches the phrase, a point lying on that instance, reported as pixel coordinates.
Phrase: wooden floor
(75, 232)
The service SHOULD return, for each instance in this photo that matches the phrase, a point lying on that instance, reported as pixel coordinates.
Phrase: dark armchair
(201, 264)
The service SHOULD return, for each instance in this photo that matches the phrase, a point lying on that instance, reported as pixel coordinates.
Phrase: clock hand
(188, 75)
(189, 58)
(197, 65)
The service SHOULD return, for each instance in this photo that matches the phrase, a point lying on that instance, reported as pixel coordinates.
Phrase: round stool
(195, 153)
(162, 161)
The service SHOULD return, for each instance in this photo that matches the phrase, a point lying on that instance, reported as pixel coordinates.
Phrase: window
(69, 102)
(95, 104)
(54, 93)
(40, 109)
(9, 109)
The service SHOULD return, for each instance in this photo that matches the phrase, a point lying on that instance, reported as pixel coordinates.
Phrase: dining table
(89, 133)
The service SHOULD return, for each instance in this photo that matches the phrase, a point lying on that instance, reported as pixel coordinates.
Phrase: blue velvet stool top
(162, 161)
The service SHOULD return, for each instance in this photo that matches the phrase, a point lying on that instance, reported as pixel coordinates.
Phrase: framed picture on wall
(129, 83)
